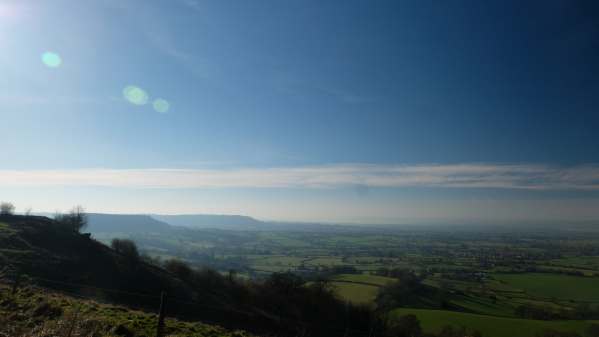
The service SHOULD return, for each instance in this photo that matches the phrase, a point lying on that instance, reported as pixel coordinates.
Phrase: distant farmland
(490, 326)
(554, 285)
(359, 288)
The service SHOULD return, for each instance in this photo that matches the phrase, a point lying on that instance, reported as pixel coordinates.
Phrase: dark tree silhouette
(126, 248)
(6, 208)
(76, 219)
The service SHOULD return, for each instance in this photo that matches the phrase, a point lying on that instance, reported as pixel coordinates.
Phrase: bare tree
(127, 248)
(6, 208)
(76, 219)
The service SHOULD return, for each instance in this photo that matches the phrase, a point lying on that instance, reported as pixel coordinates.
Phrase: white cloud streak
(530, 177)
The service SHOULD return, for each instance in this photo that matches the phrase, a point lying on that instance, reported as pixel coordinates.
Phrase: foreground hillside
(33, 311)
(41, 248)
(46, 253)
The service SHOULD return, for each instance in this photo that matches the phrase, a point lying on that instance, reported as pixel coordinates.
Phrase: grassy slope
(365, 278)
(33, 309)
(42, 250)
(365, 289)
(356, 293)
(434, 320)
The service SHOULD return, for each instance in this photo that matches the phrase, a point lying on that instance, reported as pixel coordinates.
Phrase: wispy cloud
(193, 4)
(532, 177)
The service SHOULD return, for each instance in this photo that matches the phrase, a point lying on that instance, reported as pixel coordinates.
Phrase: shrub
(127, 248)
(406, 326)
(6, 208)
(179, 268)
(76, 219)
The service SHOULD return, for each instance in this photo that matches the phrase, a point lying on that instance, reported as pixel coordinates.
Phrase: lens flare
(161, 105)
(135, 95)
(51, 60)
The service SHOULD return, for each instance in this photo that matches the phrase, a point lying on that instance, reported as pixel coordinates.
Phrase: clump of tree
(7, 208)
(180, 269)
(546, 313)
(76, 219)
(406, 326)
(556, 333)
(592, 330)
(126, 248)
(409, 326)
(406, 291)
(451, 331)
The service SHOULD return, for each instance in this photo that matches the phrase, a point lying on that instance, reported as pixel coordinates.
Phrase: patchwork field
(359, 288)
(564, 287)
(490, 326)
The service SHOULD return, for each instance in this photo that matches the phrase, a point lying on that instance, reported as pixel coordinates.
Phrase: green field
(585, 262)
(489, 326)
(558, 286)
(365, 278)
(355, 292)
(363, 291)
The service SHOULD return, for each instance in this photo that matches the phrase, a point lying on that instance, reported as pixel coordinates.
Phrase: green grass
(5, 229)
(366, 278)
(484, 306)
(356, 293)
(278, 260)
(591, 262)
(554, 285)
(326, 261)
(364, 291)
(490, 326)
(21, 313)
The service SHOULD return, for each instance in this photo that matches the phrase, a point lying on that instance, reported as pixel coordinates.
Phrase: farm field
(564, 287)
(356, 293)
(582, 262)
(485, 278)
(365, 278)
(359, 288)
(490, 326)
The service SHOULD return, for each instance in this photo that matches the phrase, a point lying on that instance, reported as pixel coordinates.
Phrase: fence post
(160, 325)
(16, 282)
(74, 319)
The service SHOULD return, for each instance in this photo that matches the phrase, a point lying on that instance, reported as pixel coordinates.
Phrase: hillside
(231, 222)
(42, 252)
(49, 255)
(34, 311)
(39, 247)
(126, 223)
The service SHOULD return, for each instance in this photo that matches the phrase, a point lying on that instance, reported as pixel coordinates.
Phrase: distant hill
(230, 222)
(49, 254)
(41, 248)
(125, 223)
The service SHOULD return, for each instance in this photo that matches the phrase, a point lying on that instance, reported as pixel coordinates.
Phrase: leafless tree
(76, 219)
(6, 208)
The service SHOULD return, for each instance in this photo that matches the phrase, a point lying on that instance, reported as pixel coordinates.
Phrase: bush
(76, 219)
(179, 268)
(6, 208)
(127, 248)
(592, 330)
(555, 333)
(406, 326)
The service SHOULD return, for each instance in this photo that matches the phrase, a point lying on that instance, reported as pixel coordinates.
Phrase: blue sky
(340, 111)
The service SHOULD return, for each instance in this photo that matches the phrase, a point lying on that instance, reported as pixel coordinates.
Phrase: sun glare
(161, 105)
(135, 95)
(51, 60)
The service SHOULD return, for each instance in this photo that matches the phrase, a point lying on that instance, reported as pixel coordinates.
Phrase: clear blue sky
(343, 111)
